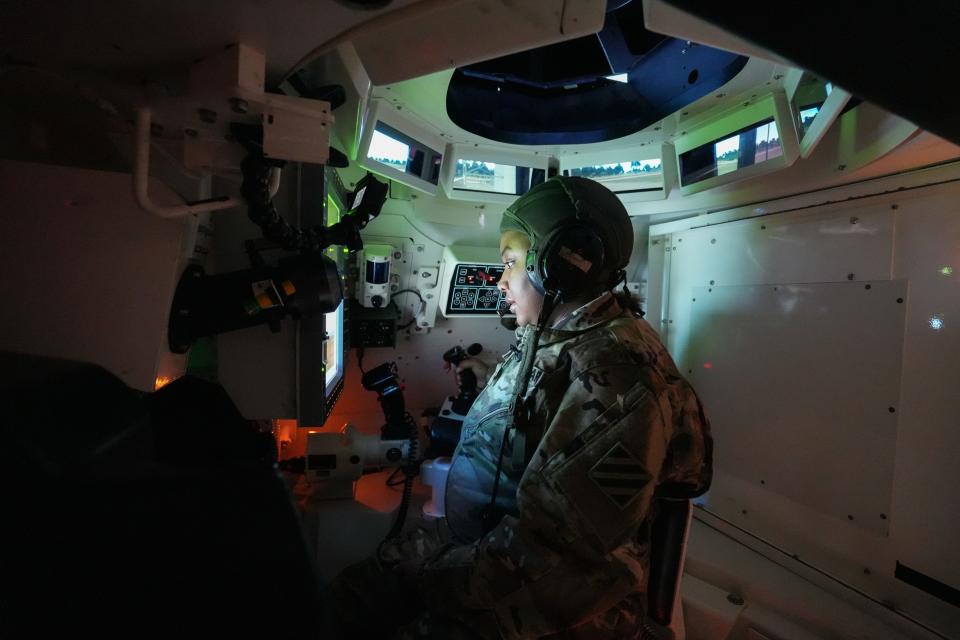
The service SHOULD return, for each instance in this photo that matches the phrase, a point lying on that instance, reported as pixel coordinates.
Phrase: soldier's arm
(588, 487)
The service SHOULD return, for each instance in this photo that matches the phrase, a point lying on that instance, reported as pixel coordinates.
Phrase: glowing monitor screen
(333, 325)
(388, 150)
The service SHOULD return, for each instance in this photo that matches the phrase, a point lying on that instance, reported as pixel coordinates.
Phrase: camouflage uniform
(610, 422)
(615, 422)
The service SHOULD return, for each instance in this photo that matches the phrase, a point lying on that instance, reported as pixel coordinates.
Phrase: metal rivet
(891, 410)
(736, 599)
(854, 220)
(899, 300)
(867, 287)
(713, 241)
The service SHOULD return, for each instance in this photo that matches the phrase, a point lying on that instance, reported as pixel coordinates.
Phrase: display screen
(395, 149)
(755, 144)
(473, 289)
(623, 177)
(333, 326)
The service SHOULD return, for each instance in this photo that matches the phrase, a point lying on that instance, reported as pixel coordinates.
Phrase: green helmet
(580, 235)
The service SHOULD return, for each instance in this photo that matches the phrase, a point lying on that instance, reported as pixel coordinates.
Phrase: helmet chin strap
(518, 426)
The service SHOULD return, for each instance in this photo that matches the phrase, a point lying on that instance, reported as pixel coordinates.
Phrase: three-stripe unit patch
(620, 475)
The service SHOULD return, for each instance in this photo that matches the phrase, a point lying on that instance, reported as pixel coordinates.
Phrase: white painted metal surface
(799, 370)
(88, 275)
(908, 239)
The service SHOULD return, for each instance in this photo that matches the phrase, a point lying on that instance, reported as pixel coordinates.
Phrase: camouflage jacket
(611, 422)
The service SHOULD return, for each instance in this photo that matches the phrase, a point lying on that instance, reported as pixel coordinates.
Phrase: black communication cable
(414, 318)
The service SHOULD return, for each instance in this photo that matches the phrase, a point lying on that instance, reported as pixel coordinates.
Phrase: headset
(572, 257)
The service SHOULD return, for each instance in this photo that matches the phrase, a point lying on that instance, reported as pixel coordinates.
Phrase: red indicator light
(708, 365)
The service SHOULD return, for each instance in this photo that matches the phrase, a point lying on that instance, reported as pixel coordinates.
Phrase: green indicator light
(947, 271)
(345, 250)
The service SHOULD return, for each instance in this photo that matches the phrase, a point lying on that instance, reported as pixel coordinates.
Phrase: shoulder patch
(620, 475)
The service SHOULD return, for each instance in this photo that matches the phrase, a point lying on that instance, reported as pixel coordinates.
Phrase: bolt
(854, 220)
(397, 255)
(425, 274)
(429, 296)
(736, 599)
(841, 167)
(239, 105)
(713, 241)
(894, 206)
(420, 248)
(851, 276)
(425, 324)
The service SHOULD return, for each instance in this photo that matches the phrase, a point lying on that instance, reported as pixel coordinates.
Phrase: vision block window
(621, 177)
(399, 151)
(755, 144)
(491, 177)
(808, 99)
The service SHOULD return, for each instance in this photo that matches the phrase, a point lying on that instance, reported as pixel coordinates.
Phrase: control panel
(468, 279)
(473, 289)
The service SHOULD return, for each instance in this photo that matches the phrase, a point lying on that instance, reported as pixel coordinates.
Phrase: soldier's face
(525, 301)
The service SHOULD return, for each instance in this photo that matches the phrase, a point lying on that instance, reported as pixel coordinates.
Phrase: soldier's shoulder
(616, 344)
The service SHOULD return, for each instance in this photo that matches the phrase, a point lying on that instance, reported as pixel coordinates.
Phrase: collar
(598, 311)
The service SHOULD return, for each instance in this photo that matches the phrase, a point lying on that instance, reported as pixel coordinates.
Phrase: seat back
(667, 549)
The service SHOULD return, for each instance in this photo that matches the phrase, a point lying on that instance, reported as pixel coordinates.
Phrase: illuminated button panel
(473, 289)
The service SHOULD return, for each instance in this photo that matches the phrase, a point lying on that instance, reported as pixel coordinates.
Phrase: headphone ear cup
(572, 260)
(534, 273)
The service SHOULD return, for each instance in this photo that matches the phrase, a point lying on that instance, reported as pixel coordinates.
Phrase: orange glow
(161, 382)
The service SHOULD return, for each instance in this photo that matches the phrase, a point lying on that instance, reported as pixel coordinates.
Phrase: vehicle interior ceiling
(841, 108)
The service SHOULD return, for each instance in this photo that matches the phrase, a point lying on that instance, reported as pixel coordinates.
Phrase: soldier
(550, 489)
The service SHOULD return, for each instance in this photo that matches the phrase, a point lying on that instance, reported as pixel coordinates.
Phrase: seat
(668, 546)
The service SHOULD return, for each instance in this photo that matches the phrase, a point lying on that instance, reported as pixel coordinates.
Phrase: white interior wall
(87, 274)
(907, 244)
